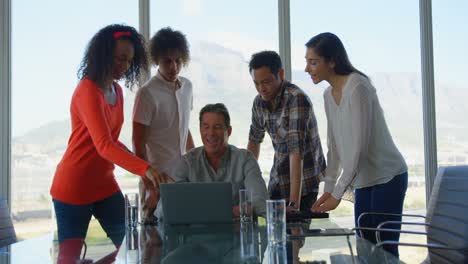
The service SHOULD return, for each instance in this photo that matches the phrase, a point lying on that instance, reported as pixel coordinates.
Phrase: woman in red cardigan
(84, 182)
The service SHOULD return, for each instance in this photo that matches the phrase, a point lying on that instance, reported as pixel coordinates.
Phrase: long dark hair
(98, 59)
(330, 47)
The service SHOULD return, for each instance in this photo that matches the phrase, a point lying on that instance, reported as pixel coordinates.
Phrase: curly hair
(98, 59)
(167, 40)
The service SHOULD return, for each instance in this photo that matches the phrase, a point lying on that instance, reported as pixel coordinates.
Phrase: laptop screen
(196, 203)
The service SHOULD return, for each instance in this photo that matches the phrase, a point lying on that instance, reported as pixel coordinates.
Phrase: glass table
(232, 243)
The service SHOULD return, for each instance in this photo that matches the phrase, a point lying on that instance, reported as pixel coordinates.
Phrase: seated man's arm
(254, 182)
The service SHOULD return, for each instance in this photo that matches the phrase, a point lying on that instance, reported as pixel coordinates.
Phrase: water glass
(245, 205)
(277, 254)
(248, 243)
(132, 248)
(131, 210)
(276, 221)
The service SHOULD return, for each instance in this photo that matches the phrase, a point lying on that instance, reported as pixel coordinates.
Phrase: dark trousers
(381, 198)
(73, 220)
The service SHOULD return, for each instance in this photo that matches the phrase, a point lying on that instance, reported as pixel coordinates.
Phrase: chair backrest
(7, 231)
(448, 215)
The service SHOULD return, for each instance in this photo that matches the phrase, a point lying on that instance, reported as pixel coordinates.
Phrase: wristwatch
(292, 204)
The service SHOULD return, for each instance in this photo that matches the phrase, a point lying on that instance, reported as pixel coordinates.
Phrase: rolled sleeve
(299, 115)
(256, 135)
(257, 127)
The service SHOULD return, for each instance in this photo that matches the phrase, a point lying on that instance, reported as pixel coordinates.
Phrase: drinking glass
(248, 243)
(276, 221)
(131, 210)
(245, 206)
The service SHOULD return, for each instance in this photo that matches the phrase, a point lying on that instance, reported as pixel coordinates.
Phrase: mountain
(221, 75)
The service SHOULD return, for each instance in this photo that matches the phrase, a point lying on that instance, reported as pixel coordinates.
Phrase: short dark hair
(267, 58)
(330, 47)
(166, 40)
(99, 56)
(217, 108)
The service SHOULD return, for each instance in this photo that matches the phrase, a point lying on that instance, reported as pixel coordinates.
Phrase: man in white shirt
(162, 110)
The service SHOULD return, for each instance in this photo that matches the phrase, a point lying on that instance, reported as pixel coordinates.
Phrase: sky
(49, 38)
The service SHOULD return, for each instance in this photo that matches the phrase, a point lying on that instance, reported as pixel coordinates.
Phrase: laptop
(196, 202)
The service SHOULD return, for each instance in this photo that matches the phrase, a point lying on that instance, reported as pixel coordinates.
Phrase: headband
(119, 34)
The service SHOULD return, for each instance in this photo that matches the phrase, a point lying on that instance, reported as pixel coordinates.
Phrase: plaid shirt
(293, 129)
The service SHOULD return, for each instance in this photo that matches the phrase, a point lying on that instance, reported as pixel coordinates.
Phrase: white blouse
(361, 151)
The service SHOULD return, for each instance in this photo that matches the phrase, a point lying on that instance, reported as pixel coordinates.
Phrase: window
(222, 36)
(450, 66)
(385, 47)
(48, 42)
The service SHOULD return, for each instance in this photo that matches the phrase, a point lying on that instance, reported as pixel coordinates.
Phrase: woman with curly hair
(84, 184)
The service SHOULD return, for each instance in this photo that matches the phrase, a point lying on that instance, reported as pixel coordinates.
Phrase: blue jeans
(381, 198)
(73, 220)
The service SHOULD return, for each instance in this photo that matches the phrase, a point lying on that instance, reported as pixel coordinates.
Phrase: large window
(223, 35)
(48, 39)
(386, 47)
(451, 81)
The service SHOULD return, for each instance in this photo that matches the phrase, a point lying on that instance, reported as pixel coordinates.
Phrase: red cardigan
(86, 172)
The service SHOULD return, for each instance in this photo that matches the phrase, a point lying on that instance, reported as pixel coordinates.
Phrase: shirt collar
(224, 159)
(278, 98)
(177, 84)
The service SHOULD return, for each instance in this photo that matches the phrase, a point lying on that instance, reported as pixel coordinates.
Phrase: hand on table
(325, 203)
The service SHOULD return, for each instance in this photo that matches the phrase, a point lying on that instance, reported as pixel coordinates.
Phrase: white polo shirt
(164, 107)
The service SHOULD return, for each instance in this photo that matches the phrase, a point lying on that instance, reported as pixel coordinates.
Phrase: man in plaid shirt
(285, 112)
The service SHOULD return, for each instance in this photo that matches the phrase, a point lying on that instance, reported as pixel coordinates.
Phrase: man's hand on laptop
(157, 177)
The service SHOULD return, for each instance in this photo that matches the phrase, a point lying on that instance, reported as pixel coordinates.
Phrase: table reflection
(234, 243)
(223, 243)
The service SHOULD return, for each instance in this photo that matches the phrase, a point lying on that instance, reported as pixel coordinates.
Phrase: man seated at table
(218, 161)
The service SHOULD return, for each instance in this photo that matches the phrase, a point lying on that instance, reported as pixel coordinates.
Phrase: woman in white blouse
(361, 153)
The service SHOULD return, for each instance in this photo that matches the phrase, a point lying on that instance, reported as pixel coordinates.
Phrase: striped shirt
(292, 127)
